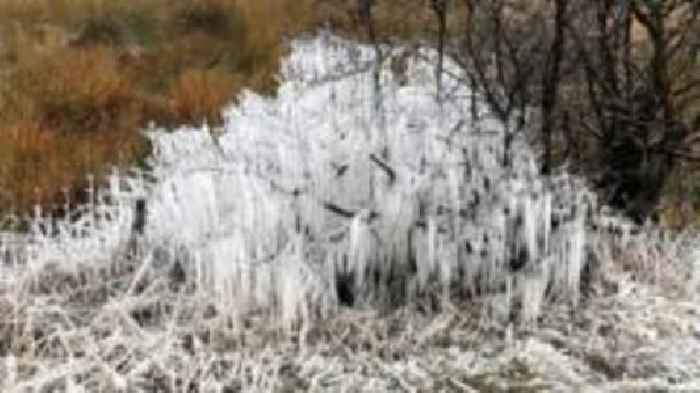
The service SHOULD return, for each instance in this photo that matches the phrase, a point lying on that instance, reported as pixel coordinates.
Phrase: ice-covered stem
(365, 8)
(439, 8)
(138, 226)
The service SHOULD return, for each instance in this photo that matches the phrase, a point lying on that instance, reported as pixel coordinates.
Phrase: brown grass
(38, 162)
(79, 78)
(81, 91)
(200, 94)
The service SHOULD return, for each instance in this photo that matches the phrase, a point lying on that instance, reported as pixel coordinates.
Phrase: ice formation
(305, 201)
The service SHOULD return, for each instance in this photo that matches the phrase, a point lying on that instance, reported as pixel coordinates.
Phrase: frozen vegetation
(340, 238)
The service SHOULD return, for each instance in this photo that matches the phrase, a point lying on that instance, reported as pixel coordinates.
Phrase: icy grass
(464, 275)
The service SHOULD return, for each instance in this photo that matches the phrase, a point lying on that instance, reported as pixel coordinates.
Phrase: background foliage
(80, 79)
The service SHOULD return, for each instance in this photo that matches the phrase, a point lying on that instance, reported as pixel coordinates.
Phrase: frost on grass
(307, 243)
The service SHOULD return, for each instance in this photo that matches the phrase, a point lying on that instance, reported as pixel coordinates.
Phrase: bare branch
(385, 167)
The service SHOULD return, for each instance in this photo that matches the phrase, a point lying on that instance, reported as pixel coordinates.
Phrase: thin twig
(384, 166)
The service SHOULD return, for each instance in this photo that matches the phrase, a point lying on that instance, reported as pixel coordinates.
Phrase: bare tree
(551, 80)
(611, 87)
(616, 81)
(499, 62)
(640, 92)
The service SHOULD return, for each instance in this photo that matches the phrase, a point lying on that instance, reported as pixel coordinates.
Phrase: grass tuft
(199, 95)
(218, 18)
(81, 91)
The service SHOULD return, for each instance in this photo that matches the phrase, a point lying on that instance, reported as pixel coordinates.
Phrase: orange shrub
(80, 78)
(37, 163)
(20, 161)
(71, 113)
(199, 95)
(82, 90)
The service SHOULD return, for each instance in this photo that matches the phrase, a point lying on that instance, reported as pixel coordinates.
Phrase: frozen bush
(389, 211)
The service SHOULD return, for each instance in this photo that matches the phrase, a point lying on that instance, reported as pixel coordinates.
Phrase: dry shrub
(676, 210)
(219, 18)
(199, 95)
(79, 90)
(101, 30)
(37, 163)
(650, 263)
(268, 23)
(71, 113)
(22, 154)
(23, 10)
(77, 76)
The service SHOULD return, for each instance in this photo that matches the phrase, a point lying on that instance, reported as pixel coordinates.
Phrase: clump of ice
(309, 186)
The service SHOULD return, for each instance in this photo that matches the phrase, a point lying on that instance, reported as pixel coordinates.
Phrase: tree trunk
(550, 89)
